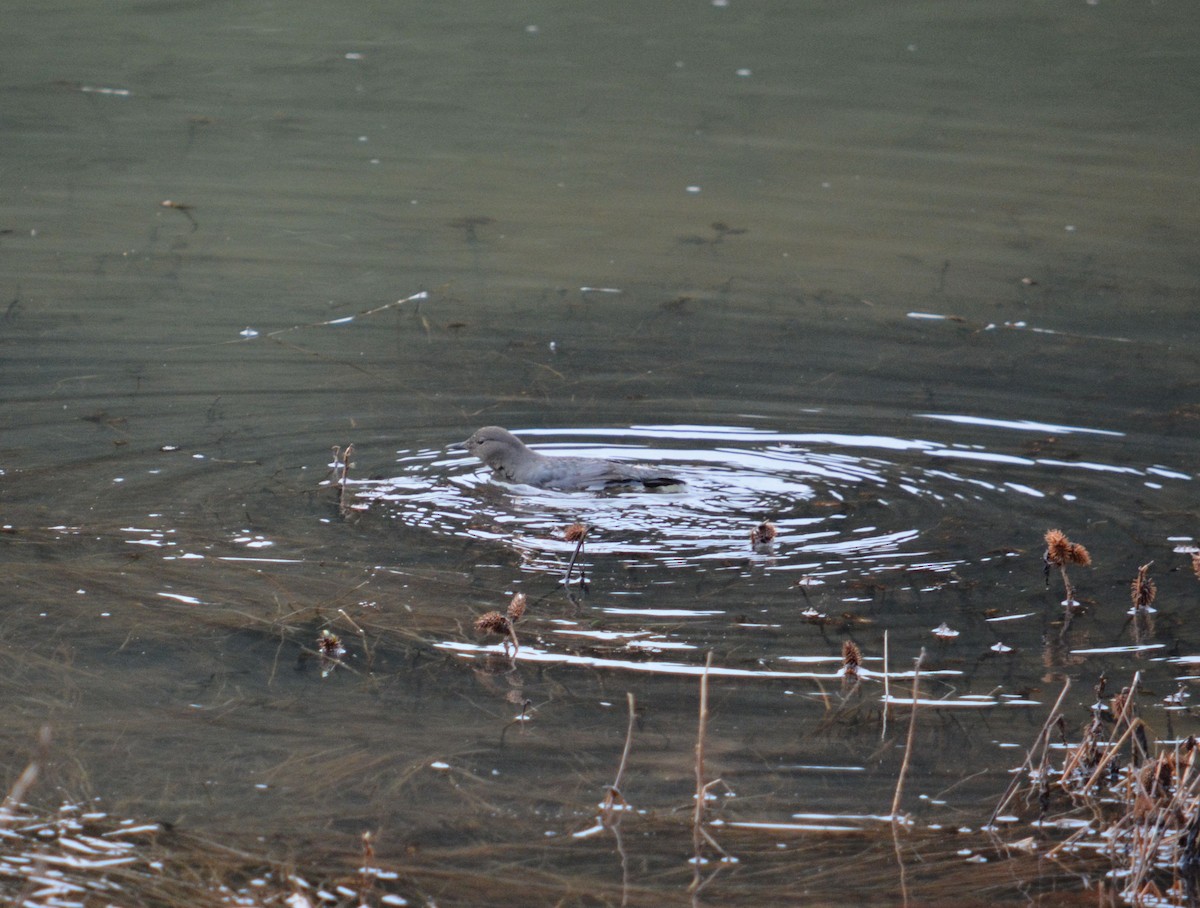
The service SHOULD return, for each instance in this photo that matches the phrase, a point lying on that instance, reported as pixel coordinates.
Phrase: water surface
(914, 283)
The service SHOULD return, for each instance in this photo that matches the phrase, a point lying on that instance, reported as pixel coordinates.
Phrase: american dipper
(511, 461)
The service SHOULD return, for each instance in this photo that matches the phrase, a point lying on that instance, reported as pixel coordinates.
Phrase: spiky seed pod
(575, 532)
(516, 608)
(1156, 776)
(763, 534)
(492, 623)
(1142, 591)
(851, 658)
(1118, 703)
(1057, 548)
(1061, 551)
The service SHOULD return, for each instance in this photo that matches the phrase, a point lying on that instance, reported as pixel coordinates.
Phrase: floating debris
(1177, 698)
(944, 632)
(811, 615)
(330, 645)
(1001, 648)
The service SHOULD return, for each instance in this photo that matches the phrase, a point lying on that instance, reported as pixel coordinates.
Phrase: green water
(652, 222)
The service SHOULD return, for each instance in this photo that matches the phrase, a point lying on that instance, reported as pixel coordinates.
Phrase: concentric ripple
(834, 498)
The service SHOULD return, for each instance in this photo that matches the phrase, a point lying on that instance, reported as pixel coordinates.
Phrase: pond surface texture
(914, 281)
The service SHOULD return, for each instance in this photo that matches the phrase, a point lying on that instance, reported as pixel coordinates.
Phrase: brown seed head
(1196, 564)
(1057, 548)
(516, 608)
(1062, 551)
(492, 623)
(575, 532)
(1142, 591)
(763, 534)
(330, 645)
(1117, 706)
(851, 658)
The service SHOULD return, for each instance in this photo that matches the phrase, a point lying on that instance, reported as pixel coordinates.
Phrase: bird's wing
(582, 472)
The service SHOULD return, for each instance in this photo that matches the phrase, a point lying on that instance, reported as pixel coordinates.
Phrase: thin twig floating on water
(252, 335)
(912, 728)
(362, 635)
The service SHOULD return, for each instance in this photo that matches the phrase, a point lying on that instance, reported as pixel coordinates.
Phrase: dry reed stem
(1042, 739)
(887, 690)
(1111, 751)
(26, 780)
(362, 636)
(342, 457)
(699, 833)
(578, 533)
(366, 876)
(912, 729)
(613, 795)
(1143, 590)
(698, 810)
(1061, 551)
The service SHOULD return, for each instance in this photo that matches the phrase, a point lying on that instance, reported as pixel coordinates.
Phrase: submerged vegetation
(1108, 811)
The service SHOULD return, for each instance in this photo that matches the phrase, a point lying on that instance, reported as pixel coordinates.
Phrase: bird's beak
(458, 446)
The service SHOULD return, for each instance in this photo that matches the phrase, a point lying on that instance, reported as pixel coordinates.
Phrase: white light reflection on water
(1024, 425)
(528, 653)
(862, 499)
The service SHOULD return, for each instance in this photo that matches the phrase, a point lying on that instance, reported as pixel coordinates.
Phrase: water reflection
(834, 498)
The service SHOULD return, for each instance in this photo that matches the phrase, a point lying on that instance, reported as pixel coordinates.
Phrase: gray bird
(512, 461)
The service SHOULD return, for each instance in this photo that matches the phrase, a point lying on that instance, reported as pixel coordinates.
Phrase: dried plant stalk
(1142, 591)
(912, 729)
(1061, 551)
(699, 833)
